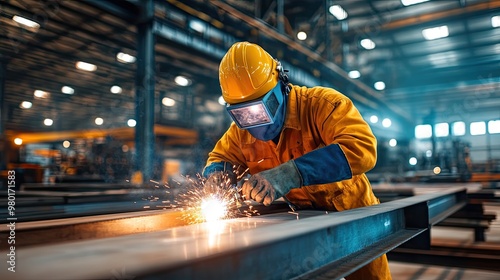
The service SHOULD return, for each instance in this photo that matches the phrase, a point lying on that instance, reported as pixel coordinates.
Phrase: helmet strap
(282, 73)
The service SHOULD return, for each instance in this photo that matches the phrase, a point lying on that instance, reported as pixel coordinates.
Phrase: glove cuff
(290, 170)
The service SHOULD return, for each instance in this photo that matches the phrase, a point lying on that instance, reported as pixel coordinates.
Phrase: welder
(310, 146)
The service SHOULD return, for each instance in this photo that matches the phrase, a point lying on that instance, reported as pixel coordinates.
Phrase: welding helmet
(254, 87)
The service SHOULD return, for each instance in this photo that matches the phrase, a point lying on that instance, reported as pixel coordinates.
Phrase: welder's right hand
(215, 180)
(219, 179)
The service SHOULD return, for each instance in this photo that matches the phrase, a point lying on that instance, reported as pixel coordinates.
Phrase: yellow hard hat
(247, 72)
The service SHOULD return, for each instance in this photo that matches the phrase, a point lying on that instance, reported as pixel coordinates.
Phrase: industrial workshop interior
(125, 152)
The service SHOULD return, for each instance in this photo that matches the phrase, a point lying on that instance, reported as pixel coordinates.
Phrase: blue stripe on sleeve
(217, 166)
(324, 165)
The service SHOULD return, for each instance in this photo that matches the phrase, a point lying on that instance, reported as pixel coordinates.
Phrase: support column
(3, 118)
(328, 44)
(145, 92)
(280, 18)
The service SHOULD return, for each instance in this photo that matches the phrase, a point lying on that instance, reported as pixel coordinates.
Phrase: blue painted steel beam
(275, 246)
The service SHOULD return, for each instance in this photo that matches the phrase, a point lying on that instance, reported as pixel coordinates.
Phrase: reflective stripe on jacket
(315, 117)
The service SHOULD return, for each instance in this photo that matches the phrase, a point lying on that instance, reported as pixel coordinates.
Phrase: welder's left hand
(266, 186)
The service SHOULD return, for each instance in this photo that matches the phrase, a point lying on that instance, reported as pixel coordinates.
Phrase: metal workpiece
(314, 244)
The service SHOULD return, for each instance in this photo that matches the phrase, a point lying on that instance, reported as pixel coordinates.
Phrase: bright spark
(213, 209)
(201, 202)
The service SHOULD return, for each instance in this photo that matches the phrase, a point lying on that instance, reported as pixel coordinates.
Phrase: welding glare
(213, 209)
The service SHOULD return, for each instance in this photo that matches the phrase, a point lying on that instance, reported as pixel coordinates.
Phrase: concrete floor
(407, 271)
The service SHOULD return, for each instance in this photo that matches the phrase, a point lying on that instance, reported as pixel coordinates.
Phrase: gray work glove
(266, 186)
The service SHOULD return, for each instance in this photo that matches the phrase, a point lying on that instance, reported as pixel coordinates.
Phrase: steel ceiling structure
(445, 77)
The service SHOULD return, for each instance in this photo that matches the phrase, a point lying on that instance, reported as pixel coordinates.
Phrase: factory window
(477, 128)
(458, 128)
(494, 126)
(423, 131)
(441, 129)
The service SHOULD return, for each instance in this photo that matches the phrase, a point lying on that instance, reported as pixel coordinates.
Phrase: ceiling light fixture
(182, 81)
(125, 57)
(386, 122)
(197, 25)
(495, 21)
(354, 74)
(412, 2)
(99, 121)
(86, 66)
(367, 44)
(18, 141)
(67, 90)
(302, 35)
(116, 90)
(131, 123)
(26, 22)
(338, 12)
(26, 105)
(379, 85)
(66, 144)
(435, 32)
(393, 142)
(169, 102)
(41, 94)
(48, 122)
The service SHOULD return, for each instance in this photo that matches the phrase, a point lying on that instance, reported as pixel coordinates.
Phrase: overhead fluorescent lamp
(435, 32)
(393, 142)
(197, 26)
(86, 66)
(367, 44)
(182, 81)
(169, 102)
(379, 85)
(26, 105)
(302, 35)
(66, 144)
(67, 90)
(338, 12)
(386, 122)
(354, 74)
(131, 123)
(125, 57)
(495, 21)
(412, 2)
(18, 141)
(99, 121)
(41, 94)
(48, 122)
(26, 22)
(116, 89)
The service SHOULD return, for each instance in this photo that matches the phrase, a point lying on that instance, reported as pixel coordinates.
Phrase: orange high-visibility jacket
(315, 117)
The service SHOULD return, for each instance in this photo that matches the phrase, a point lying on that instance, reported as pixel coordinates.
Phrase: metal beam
(128, 13)
(274, 246)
